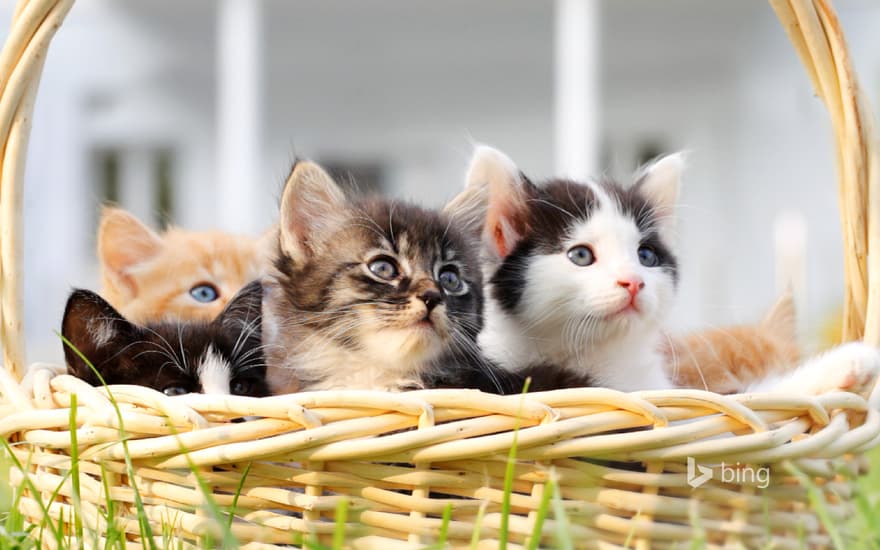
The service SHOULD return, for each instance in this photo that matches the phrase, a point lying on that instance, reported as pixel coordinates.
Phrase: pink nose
(632, 284)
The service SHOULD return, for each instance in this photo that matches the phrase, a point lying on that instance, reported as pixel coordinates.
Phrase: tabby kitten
(177, 274)
(220, 357)
(581, 276)
(369, 294)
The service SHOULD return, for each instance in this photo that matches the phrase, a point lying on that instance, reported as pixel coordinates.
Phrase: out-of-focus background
(191, 112)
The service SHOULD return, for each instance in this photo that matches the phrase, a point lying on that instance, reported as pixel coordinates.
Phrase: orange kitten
(179, 274)
(727, 360)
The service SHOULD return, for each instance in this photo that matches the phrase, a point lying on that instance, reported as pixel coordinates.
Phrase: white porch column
(576, 107)
(790, 250)
(239, 115)
(137, 183)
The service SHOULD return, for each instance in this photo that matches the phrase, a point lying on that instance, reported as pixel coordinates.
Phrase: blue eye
(581, 255)
(647, 257)
(175, 390)
(451, 281)
(241, 387)
(204, 292)
(383, 268)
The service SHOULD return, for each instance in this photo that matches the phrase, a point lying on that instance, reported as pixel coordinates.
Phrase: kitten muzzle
(627, 304)
(633, 285)
(432, 298)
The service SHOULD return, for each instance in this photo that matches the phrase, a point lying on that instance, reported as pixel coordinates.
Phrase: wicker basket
(401, 460)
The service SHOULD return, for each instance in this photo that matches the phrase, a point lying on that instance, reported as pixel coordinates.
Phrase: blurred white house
(191, 112)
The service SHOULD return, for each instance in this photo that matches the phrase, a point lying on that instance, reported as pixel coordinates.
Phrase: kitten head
(221, 357)
(178, 274)
(584, 261)
(393, 283)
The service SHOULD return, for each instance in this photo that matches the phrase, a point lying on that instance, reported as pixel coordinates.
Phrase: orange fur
(147, 276)
(727, 360)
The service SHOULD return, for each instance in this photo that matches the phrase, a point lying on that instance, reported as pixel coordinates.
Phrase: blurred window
(165, 187)
(107, 172)
(139, 180)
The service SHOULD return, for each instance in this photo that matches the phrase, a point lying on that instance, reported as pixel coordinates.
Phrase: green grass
(16, 533)
(145, 529)
(867, 501)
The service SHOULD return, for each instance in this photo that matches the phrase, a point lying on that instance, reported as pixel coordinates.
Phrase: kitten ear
(310, 206)
(781, 320)
(244, 311)
(123, 242)
(660, 182)
(467, 210)
(92, 327)
(500, 191)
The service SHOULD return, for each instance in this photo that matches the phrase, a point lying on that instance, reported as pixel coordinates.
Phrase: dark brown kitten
(222, 357)
(369, 294)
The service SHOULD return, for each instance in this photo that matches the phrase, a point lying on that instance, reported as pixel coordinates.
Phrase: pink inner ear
(498, 239)
(504, 226)
(123, 241)
(122, 251)
(295, 226)
(295, 219)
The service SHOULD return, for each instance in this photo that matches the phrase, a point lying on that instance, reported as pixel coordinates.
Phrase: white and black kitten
(224, 356)
(370, 294)
(580, 277)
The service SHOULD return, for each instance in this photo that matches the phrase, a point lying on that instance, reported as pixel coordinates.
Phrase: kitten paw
(854, 368)
(851, 367)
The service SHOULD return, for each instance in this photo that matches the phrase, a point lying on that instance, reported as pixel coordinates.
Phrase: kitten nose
(431, 297)
(632, 284)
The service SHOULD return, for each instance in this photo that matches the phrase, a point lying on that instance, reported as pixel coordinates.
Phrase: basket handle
(21, 63)
(815, 32)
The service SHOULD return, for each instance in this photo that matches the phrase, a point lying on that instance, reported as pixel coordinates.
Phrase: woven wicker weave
(400, 460)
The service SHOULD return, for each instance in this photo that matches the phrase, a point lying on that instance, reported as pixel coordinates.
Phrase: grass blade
(508, 476)
(74, 472)
(817, 502)
(339, 528)
(146, 530)
(699, 533)
(478, 526)
(210, 504)
(444, 527)
(238, 490)
(563, 532)
(113, 535)
(57, 532)
(538, 527)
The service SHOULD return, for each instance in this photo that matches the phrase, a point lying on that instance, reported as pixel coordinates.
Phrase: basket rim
(443, 424)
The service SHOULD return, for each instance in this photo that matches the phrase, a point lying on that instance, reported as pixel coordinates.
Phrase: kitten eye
(647, 257)
(241, 387)
(175, 390)
(204, 292)
(383, 268)
(451, 281)
(581, 255)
